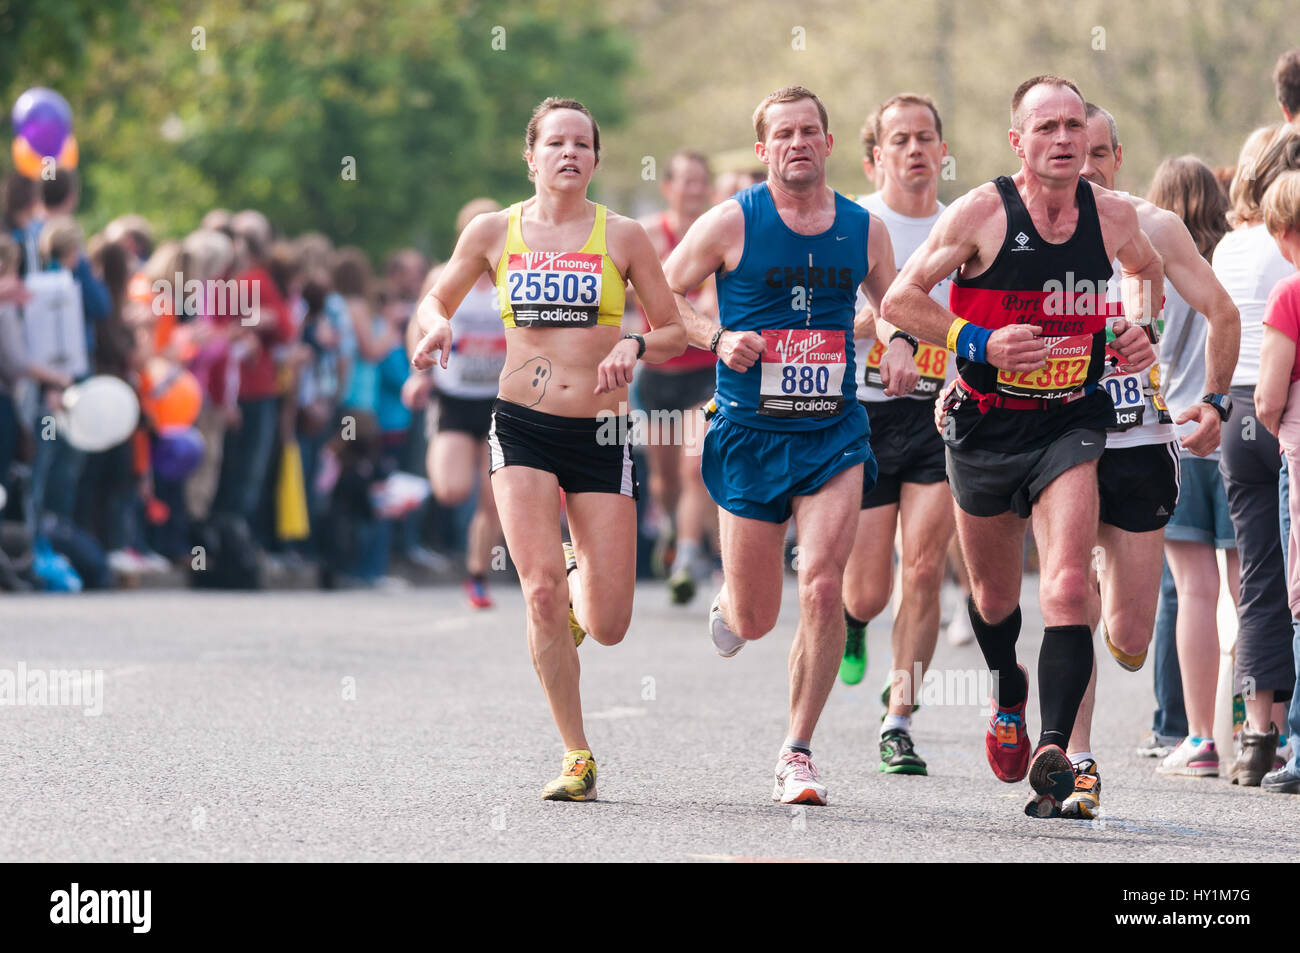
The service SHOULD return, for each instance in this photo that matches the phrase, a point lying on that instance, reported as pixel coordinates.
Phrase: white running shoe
(1189, 760)
(960, 631)
(797, 780)
(726, 642)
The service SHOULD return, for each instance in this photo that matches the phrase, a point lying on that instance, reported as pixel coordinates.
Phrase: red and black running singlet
(1061, 288)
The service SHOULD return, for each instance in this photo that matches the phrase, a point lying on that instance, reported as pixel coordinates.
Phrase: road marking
(730, 859)
(618, 712)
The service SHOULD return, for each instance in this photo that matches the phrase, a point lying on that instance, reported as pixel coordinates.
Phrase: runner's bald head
(1018, 97)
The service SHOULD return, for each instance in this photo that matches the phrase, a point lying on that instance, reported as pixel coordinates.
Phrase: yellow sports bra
(547, 289)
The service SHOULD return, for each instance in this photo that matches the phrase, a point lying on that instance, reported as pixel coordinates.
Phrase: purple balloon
(177, 452)
(42, 103)
(45, 136)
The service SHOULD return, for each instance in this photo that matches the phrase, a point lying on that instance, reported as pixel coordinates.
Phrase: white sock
(687, 552)
(1080, 757)
(896, 721)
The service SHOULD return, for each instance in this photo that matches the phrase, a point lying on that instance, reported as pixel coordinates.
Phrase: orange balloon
(169, 395)
(68, 155)
(26, 159)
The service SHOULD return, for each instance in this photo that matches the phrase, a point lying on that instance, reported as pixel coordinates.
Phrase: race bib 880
(803, 373)
(550, 289)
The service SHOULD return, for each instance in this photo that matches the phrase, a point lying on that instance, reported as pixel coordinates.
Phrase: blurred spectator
(1249, 265)
(263, 323)
(1286, 84)
(1277, 399)
(61, 194)
(1187, 653)
(22, 206)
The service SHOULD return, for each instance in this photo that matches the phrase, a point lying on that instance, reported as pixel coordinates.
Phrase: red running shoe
(478, 595)
(1007, 741)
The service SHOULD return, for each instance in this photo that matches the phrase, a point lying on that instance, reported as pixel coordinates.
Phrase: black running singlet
(1060, 288)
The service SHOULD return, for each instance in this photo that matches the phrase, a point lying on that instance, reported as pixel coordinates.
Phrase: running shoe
(577, 781)
(477, 594)
(854, 664)
(897, 756)
(1006, 743)
(1052, 777)
(1192, 760)
(1085, 802)
(725, 642)
(960, 631)
(1130, 663)
(664, 553)
(681, 586)
(1255, 758)
(797, 780)
(1153, 745)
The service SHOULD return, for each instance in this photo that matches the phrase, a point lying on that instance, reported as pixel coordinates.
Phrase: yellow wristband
(954, 329)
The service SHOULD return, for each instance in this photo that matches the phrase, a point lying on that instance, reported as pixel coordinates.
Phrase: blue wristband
(971, 342)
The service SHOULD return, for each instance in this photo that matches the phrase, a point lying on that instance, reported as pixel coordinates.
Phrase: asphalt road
(405, 726)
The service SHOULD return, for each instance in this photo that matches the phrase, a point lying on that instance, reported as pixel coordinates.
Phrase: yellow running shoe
(577, 782)
(570, 564)
(1130, 663)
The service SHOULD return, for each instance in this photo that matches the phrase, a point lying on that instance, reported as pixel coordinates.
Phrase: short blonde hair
(60, 237)
(1281, 205)
(472, 209)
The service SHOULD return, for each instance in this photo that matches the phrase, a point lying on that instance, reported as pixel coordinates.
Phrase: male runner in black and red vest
(1026, 421)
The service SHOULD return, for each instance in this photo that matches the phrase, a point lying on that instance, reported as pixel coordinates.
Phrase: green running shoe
(897, 756)
(854, 664)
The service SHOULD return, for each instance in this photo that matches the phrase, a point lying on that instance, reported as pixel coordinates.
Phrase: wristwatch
(717, 336)
(640, 343)
(916, 345)
(1221, 403)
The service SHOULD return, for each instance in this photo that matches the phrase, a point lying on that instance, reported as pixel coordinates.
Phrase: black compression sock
(850, 621)
(998, 643)
(1064, 665)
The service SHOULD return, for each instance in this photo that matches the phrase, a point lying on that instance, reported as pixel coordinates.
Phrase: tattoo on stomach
(539, 370)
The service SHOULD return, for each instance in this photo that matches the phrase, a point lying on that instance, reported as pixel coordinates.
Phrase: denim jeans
(1171, 717)
(1293, 716)
(246, 459)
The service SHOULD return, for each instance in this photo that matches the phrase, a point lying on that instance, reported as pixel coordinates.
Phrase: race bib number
(1130, 401)
(1068, 360)
(479, 359)
(931, 363)
(553, 290)
(803, 373)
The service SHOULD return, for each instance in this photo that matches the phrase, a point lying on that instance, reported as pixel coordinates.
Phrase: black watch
(640, 343)
(717, 336)
(1221, 403)
(916, 345)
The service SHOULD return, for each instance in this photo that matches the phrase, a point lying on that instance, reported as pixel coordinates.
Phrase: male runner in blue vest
(1027, 422)
(789, 436)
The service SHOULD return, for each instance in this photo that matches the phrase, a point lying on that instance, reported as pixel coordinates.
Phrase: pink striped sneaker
(1192, 760)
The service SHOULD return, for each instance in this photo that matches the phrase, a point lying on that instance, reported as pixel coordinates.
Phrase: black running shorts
(990, 482)
(907, 446)
(586, 454)
(465, 415)
(1138, 486)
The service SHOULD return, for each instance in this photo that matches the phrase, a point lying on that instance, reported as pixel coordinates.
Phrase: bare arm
(954, 242)
(1276, 358)
(468, 262)
(716, 240)
(1196, 282)
(667, 335)
(898, 364)
(1142, 279)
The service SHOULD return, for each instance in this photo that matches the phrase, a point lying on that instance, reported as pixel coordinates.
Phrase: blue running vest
(798, 291)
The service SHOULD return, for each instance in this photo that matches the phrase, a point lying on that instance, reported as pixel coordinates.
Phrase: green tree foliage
(372, 121)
